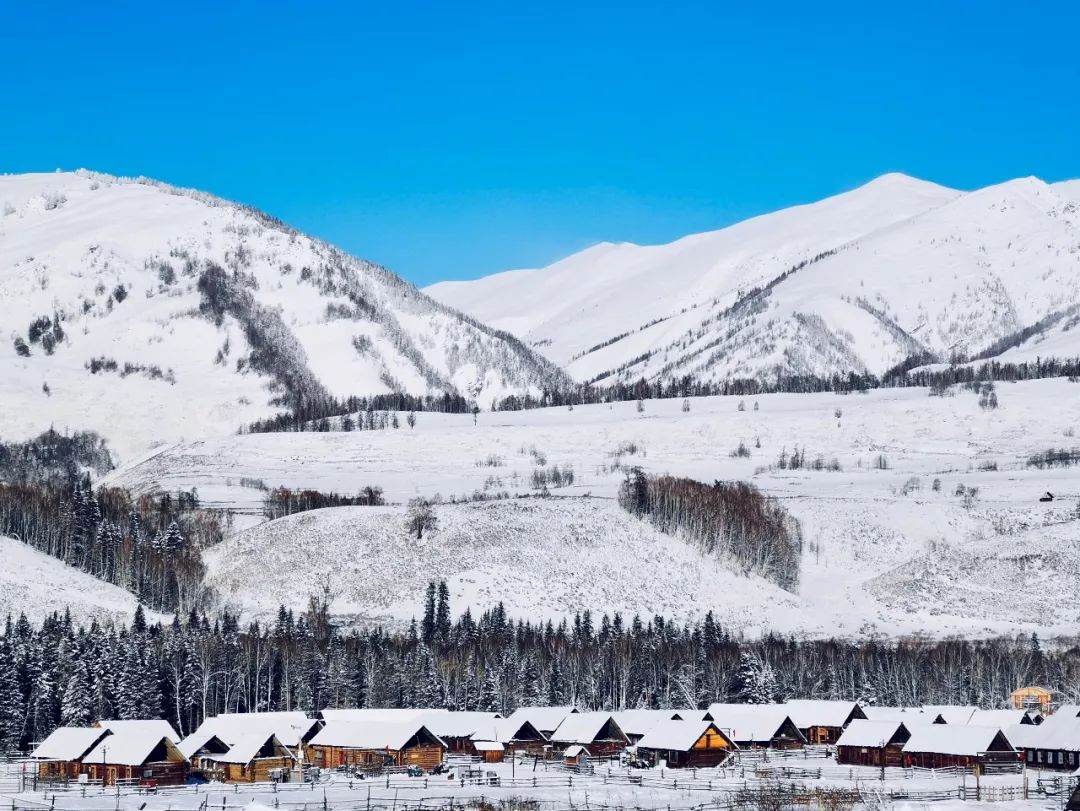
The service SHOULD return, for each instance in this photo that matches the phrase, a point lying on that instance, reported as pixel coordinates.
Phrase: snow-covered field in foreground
(553, 788)
(884, 552)
(36, 584)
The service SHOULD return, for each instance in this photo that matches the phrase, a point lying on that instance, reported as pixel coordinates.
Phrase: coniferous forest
(198, 665)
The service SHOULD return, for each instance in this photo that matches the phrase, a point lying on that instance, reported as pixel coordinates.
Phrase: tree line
(196, 666)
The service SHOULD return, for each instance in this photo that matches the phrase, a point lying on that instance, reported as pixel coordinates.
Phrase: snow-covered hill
(150, 313)
(37, 584)
(932, 524)
(856, 282)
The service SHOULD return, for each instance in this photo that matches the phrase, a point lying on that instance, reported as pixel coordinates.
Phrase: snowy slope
(213, 314)
(894, 267)
(37, 584)
(884, 552)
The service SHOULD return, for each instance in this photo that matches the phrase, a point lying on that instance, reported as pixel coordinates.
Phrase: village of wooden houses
(811, 751)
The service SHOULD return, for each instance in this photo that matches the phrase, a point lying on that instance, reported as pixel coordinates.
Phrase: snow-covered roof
(1025, 736)
(371, 735)
(289, 727)
(905, 714)
(575, 750)
(545, 719)
(1063, 735)
(488, 746)
(459, 724)
(197, 740)
(678, 736)
(751, 722)
(586, 727)
(157, 726)
(814, 713)
(865, 733)
(69, 743)
(380, 715)
(951, 739)
(507, 730)
(133, 746)
(639, 722)
(951, 713)
(998, 718)
(245, 749)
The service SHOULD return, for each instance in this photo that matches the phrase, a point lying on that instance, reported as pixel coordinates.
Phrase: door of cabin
(110, 776)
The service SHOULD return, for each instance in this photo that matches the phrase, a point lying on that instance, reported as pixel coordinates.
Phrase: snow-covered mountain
(149, 313)
(856, 282)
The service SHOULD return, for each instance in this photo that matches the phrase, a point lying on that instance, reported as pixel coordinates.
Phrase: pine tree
(12, 710)
(77, 705)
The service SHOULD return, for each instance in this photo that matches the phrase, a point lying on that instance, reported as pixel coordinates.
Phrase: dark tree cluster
(731, 520)
(54, 458)
(282, 501)
(197, 666)
(315, 415)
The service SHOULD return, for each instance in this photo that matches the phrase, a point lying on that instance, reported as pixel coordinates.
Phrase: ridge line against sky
(451, 142)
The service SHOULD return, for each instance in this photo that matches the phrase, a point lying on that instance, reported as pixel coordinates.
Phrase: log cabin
(686, 744)
(756, 726)
(599, 732)
(1041, 699)
(201, 749)
(635, 723)
(938, 746)
(822, 722)
(872, 743)
(1053, 744)
(576, 757)
(256, 758)
(136, 755)
(456, 729)
(375, 746)
(515, 737)
(60, 755)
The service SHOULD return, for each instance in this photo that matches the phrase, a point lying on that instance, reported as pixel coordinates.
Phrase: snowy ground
(884, 551)
(554, 788)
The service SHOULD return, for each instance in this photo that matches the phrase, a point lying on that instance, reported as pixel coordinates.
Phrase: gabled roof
(999, 718)
(373, 735)
(289, 727)
(249, 747)
(459, 724)
(745, 723)
(1026, 736)
(156, 725)
(679, 736)
(873, 734)
(575, 750)
(381, 715)
(134, 746)
(1061, 735)
(69, 743)
(508, 730)
(488, 746)
(545, 719)
(586, 727)
(639, 722)
(905, 714)
(949, 739)
(806, 713)
(951, 713)
(199, 739)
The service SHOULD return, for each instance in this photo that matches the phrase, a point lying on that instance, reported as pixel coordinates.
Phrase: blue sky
(451, 140)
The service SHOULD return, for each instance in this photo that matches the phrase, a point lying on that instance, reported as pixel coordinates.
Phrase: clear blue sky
(455, 139)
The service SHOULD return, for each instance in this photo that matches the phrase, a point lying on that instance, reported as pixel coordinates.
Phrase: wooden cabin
(942, 745)
(599, 732)
(60, 755)
(872, 743)
(515, 737)
(636, 723)
(490, 751)
(576, 757)
(756, 726)
(1040, 699)
(293, 729)
(1054, 744)
(136, 754)
(822, 722)
(256, 758)
(374, 746)
(686, 744)
(201, 750)
(456, 729)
